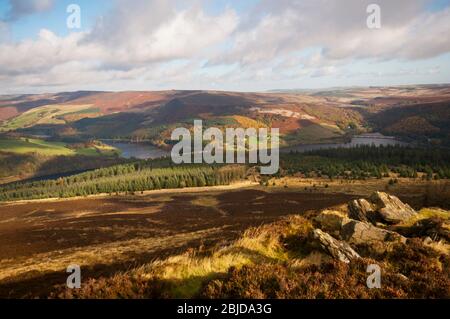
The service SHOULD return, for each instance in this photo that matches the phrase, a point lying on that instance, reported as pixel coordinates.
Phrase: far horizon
(55, 46)
(268, 91)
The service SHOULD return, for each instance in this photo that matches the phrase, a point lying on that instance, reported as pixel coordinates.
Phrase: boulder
(362, 210)
(356, 232)
(391, 209)
(335, 248)
(331, 221)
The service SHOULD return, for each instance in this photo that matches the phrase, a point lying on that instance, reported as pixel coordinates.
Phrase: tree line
(128, 178)
(369, 161)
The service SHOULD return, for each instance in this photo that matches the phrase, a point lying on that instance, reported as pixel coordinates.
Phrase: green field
(50, 114)
(30, 145)
(98, 150)
(24, 145)
(315, 133)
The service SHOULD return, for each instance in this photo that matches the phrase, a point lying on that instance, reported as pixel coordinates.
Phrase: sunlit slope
(41, 147)
(49, 114)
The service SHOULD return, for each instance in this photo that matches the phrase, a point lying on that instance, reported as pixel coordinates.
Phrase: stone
(362, 210)
(391, 209)
(331, 221)
(356, 232)
(335, 248)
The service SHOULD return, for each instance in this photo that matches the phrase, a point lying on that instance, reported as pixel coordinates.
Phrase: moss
(426, 213)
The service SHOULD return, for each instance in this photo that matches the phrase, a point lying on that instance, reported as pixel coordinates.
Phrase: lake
(375, 139)
(138, 150)
(146, 151)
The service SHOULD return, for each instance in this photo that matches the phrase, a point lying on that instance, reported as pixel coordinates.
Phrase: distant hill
(303, 116)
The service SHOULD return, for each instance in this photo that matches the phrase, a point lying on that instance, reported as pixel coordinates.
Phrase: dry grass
(426, 213)
(277, 261)
(256, 246)
(439, 246)
(183, 276)
(366, 187)
(106, 254)
(208, 202)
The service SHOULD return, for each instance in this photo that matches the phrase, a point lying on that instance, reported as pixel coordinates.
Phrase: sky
(235, 45)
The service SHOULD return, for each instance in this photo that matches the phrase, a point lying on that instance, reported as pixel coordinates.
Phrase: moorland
(151, 229)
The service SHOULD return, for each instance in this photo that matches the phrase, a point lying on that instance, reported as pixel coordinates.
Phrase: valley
(304, 118)
(225, 157)
(35, 129)
(85, 179)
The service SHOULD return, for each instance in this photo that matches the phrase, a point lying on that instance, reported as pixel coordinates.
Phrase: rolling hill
(302, 116)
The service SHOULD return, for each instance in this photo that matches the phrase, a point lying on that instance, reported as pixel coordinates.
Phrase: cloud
(281, 28)
(156, 31)
(159, 42)
(4, 31)
(128, 38)
(21, 8)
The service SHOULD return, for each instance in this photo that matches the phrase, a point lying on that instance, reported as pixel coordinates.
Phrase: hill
(303, 117)
(128, 248)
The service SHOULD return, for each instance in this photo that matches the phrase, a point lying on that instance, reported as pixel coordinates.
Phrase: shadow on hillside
(41, 285)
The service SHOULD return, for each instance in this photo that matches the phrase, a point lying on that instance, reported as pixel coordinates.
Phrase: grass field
(314, 133)
(97, 150)
(30, 145)
(50, 114)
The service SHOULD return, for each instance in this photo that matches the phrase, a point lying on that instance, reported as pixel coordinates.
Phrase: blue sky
(253, 45)
(55, 18)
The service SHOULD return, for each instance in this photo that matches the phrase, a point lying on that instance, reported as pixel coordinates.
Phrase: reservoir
(375, 139)
(138, 150)
(147, 151)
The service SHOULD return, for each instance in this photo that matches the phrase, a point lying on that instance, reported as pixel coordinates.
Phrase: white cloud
(156, 31)
(339, 27)
(150, 33)
(158, 42)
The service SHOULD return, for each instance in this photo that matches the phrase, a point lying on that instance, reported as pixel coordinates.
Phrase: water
(146, 151)
(375, 139)
(138, 150)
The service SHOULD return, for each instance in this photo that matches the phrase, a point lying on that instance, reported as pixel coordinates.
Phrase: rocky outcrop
(356, 232)
(331, 222)
(391, 209)
(365, 227)
(337, 249)
(362, 210)
(381, 207)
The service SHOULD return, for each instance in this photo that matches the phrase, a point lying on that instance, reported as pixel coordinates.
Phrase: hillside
(306, 117)
(320, 248)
